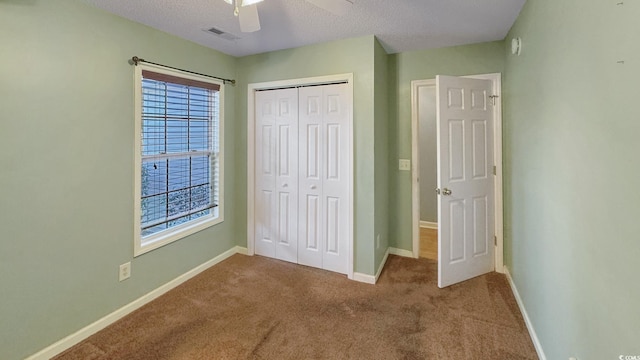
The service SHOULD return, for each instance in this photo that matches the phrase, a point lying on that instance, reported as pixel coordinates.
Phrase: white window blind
(180, 149)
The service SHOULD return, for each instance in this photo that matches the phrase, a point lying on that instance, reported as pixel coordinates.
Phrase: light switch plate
(404, 164)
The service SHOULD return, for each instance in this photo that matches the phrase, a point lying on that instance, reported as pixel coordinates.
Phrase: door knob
(285, 185)
(313, 187)
(446, 191)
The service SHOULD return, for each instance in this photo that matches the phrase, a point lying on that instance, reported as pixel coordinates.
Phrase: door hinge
(495, 171)
(495, 241)
(493, 99)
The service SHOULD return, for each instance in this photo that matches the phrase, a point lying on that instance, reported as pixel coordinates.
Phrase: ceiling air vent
(221, 34)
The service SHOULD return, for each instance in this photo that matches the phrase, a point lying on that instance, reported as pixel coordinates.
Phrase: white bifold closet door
(324, 162)
(318, 223)
(277, 174)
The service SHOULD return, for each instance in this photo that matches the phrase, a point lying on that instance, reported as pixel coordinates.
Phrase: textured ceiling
(400, 25)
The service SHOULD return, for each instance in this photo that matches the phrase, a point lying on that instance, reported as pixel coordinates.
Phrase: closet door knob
(313, 187)
(285, 185)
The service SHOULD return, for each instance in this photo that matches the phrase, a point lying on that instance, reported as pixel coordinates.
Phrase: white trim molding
(73, 339)
(401, 252)
(382, 264)
(251, 133)
(525, 315)
(429, 225)
(371, 279)
(364, 278)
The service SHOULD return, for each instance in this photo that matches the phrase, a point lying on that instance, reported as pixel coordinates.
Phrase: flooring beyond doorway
(260, 308)
(429, 243)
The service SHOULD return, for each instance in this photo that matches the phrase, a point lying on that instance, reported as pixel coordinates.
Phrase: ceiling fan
(247, 11)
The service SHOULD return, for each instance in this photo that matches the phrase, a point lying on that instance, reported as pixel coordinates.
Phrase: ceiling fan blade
(250, 2)
(337, 7)
(249, 20)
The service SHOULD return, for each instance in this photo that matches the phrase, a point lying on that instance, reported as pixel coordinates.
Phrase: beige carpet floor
(259, 308)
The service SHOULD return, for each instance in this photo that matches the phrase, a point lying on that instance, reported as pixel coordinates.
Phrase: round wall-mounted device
(516, 46)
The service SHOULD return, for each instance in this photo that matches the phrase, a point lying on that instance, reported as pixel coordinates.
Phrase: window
(178, 156)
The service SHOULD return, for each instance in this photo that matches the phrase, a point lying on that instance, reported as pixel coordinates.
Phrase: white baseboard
(371, 279)
(364, 278)
(382, 264)
(401, 252)
(428, 225)
(525, 315)
(64, 344)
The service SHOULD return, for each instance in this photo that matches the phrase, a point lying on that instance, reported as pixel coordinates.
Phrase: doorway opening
(426, 202)
(427, 151)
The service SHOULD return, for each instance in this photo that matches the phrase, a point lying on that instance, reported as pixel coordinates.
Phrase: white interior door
(323, 224)
(277, 174)
(465, 179)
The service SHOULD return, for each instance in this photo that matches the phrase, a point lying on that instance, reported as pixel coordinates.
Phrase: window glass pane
(154, 177)
(200, 170)
(179, 174)
(199, 132)
(178, 202)
(177, 136)
(200, 214)
(154, 134)
(199, 104)
(177, 101)
(200, 196)
(153, 210)
(154, 229)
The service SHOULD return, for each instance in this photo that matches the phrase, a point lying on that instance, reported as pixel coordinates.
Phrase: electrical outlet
(378, 241)
(125, 271)
(572, 358)
(404, 164)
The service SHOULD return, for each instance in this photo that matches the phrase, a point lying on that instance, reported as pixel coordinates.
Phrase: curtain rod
(137, 60)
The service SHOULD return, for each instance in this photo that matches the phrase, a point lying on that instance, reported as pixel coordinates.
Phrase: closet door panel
(286, 181)
(276, 170)
(335, 182)
(310, 226)
(265, 170)
(324, 165)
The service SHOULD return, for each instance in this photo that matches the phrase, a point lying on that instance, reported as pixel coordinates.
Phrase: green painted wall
(345, 56)
(417, 65)
(571, 175)
(66, 160)
(381, 152)
(570, 158)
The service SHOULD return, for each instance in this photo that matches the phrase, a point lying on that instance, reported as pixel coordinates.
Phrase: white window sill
(145, 244)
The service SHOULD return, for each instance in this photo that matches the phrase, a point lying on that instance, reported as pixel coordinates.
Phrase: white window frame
(145, 244)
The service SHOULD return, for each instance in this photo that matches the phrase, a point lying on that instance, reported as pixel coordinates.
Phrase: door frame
(496, 79)
(272, 85)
